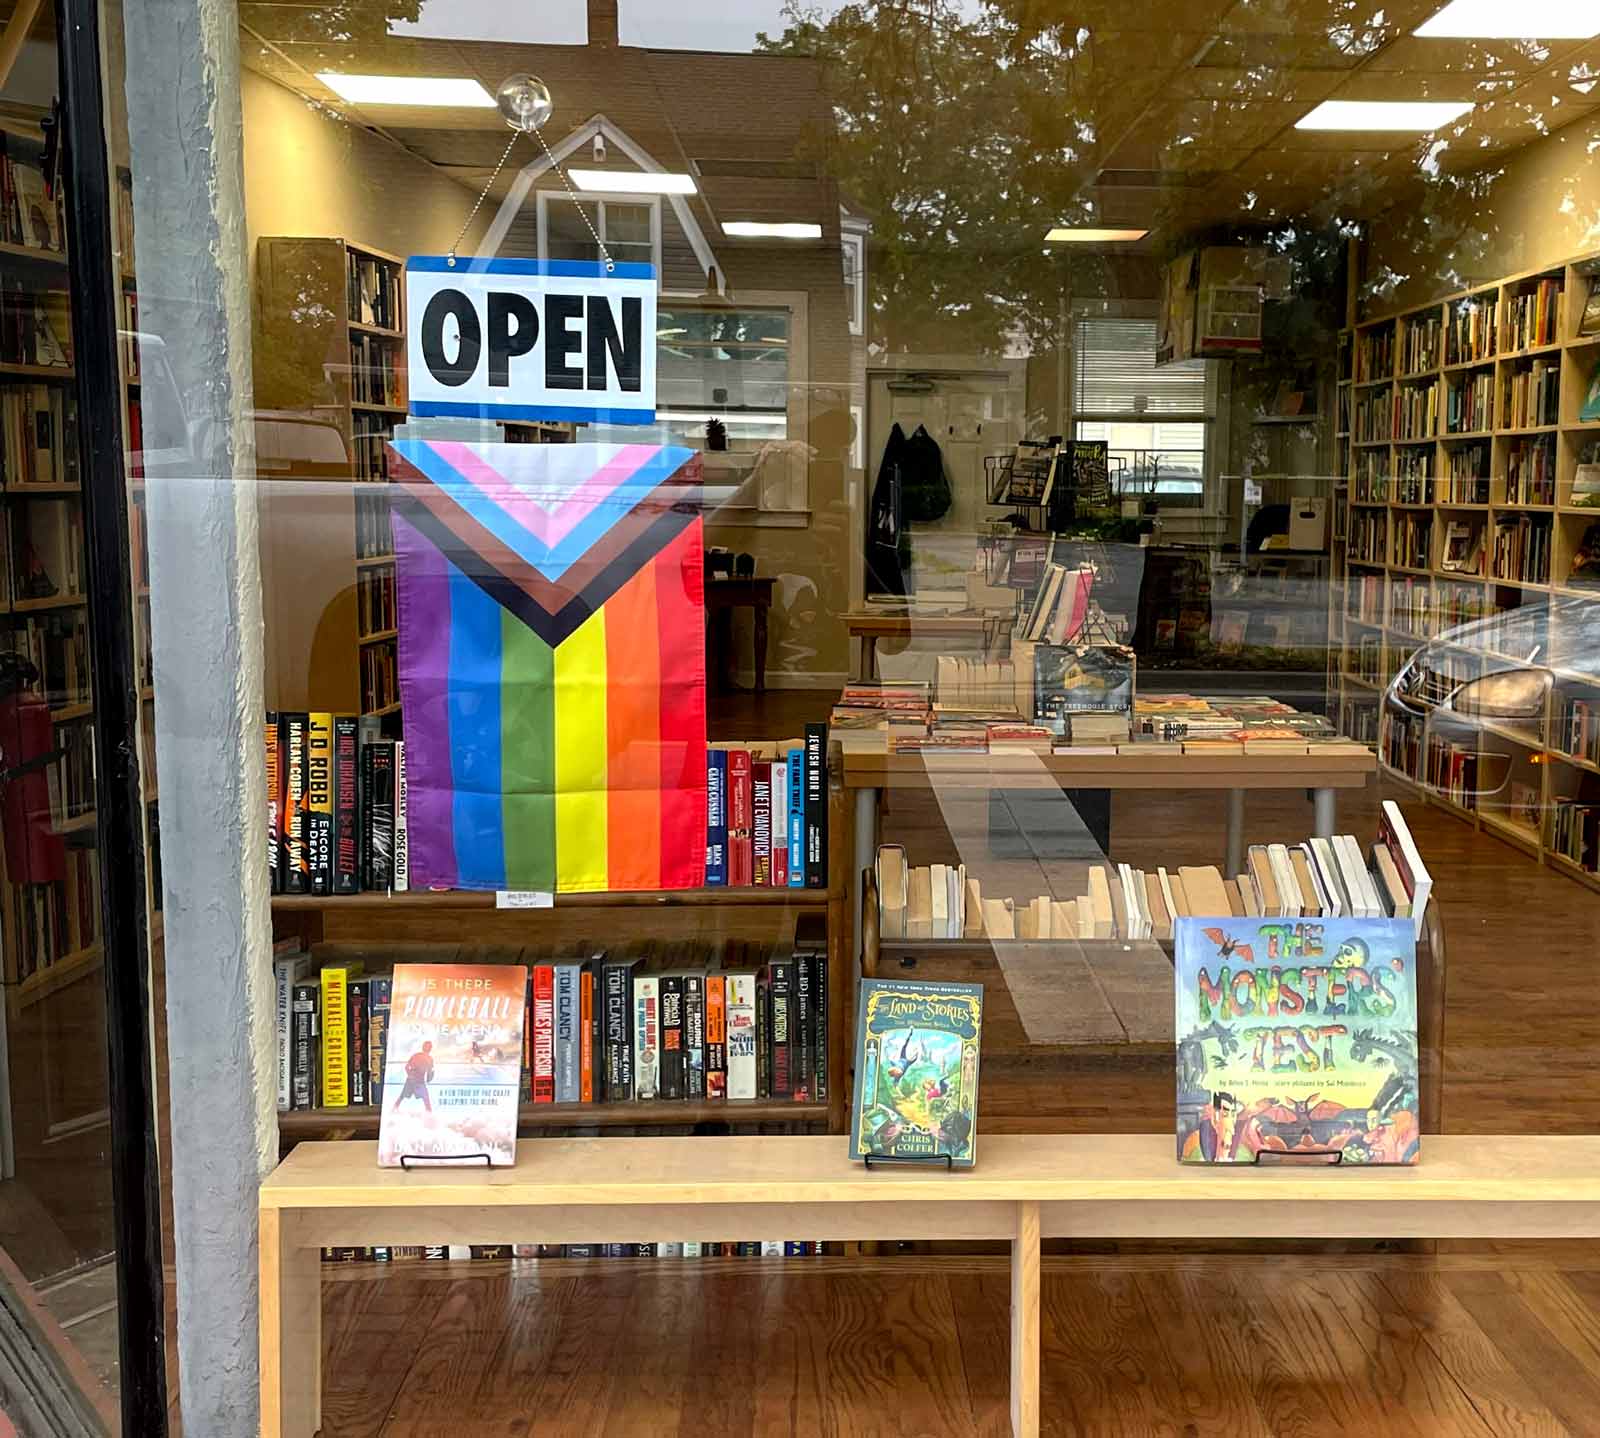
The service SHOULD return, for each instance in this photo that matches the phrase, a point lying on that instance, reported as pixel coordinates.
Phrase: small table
(871, 625)
(723, 596)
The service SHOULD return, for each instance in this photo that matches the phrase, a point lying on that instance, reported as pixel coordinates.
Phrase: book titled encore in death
(452, 1064)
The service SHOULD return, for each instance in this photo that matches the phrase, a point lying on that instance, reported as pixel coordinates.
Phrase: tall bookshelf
(1460, 438)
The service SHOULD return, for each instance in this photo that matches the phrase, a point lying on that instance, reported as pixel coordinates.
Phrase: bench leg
(1025, 1323)
(1323, 812)
(1235, 856)
(291, 1331)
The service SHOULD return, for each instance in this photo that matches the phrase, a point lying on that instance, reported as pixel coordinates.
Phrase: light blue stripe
(474, 708)
(556, 414)
(566, 269)
(551, 562)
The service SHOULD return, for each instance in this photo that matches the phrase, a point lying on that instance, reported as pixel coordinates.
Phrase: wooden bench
(1025, 1188)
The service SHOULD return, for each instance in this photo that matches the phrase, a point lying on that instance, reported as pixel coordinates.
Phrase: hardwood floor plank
(520, 1349)
(449, 1363)
(572, 1394)
(981, 1304)
(792, 1373)
(656, 1351)
(360, 1319)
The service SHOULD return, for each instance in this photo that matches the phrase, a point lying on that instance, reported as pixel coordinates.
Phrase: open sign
(531, 339)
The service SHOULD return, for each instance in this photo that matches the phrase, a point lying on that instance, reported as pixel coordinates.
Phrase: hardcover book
(454, 1052)
(716, 818)
(917, 1047)
(319, 802)
(1296, 1037)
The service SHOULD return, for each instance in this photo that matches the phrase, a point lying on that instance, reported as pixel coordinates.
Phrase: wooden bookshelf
(427, 923)
(1496, 456)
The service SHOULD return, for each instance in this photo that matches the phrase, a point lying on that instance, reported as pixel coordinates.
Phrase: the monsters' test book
(1296, 1037)
(917, 1068)
(453, 1060)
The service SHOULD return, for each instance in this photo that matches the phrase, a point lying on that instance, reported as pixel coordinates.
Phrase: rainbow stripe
(552, 665)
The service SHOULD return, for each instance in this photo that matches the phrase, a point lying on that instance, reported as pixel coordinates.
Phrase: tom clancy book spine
(716, 1036)
(782, 1029)
(274, 804)
(694, 1036)
(761, 823)
(296, 869)
(378, 991)
(306, 1045)
(346, 806)
(319, 802)
(359, 1035)
(674, 1076)
(803, 1034)
(816, 798)
(544, 1033)
(618, 974)
(377, 811)
(567, 1086)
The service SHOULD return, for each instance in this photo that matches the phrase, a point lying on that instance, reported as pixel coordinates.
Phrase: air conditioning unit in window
(1213, 299)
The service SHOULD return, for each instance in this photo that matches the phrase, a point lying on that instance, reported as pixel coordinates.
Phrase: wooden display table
(870, 769)
(871, 625)
(1025, 1187)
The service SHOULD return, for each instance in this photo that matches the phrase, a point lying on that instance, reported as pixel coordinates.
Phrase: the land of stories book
(1296, 1037)
(917, 1063)
(452, 1064)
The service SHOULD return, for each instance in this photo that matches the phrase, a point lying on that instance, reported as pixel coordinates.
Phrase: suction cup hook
(525, 102)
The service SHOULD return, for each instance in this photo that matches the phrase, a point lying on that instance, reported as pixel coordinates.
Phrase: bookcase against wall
(1461, 435)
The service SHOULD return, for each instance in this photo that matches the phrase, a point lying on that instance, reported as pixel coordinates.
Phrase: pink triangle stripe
(550, 527)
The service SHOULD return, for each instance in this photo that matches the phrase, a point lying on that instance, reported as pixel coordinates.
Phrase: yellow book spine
(335, 1038)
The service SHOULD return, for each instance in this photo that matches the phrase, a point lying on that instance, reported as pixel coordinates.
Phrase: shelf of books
(48, 863)
(770, 930)
(1468, 623)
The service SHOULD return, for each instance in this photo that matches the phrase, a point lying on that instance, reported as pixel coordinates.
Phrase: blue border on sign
(560, 414)
(564, 269)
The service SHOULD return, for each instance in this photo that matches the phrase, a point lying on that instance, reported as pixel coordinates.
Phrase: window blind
(1114, 374)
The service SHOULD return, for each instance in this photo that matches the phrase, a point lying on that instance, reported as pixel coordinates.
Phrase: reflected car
(1466, 716)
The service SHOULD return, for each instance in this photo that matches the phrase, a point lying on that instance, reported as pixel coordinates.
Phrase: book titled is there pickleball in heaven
(452, 1065)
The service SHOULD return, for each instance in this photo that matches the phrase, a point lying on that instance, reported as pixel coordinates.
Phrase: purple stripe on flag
(422, 581)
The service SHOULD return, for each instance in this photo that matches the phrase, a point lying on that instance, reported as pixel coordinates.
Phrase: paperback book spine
(402, 859)
(779, 876)
(319, 802)
(741, 1033)
(761, 823)
(335, 1037)
(378, 993)
(544, 1033)
(274, 804)
(716, 818)
(739, 799)
(307, 1045)
(673, 1077)
(586, 1023)
(618, 1050)
(377, 809)
(567, 1086)
(764, 1032)
(646, 1036)
(795, 772)
(346, 807)
(525, 1074)
(782, 1041)
(359, 1017)
(296, 871)
(694, 1036)
(816, 802)
(286, 973)
(716, 1036)
(819, 1069)
(802, 1034)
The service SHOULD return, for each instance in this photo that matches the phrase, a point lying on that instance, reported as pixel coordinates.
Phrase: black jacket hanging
(925, 490)
(885, 569)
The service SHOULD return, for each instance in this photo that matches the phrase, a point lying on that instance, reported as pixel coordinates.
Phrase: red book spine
(544, 1034)
(740, 853)
(761, 824)
(586, 1036)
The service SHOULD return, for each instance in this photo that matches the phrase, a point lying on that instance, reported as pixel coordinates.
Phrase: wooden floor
(1488, 1344)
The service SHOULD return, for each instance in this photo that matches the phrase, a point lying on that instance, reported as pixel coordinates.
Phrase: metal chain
(450, 258)
(577, 204)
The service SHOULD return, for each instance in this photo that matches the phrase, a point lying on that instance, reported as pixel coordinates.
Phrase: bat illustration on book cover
(1297, 1037)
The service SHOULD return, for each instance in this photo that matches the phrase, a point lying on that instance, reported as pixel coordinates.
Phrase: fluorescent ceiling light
(632, 182)
(1420, 115)
(758, 229)
(1089, 234)
(407, 90)
(1524, 20)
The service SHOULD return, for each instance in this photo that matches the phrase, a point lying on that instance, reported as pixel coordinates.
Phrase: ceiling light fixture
(1525, 20)
(632, 182)
(1089, 234)
(407, 90)
(1392, 115)
(761, 230)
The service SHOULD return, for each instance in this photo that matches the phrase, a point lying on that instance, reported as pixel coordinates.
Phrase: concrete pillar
(182, 83)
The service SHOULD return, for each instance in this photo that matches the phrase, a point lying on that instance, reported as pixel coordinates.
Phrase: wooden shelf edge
(298, 1124)
(715, 897)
